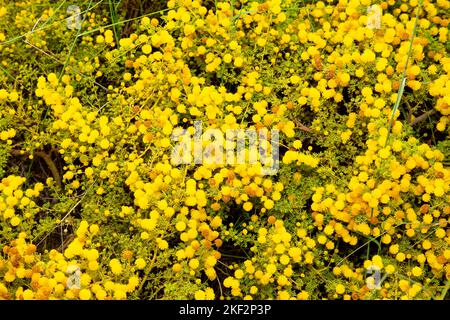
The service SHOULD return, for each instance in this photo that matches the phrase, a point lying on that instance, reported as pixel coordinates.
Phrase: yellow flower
(140, 263)
(189, 29)
(193, 264)
(177, 267)
(104, 143)
(180, 226)
(120, 295)
(227, 58)
(101, 294)
(15, 221)
(3, 11)
(340, 289)
(146, 49)
(239, 274)
(368, 56)
(426, 244)
(27, 294)
(238, 62)
(209, 294)
(440, 233)
(393, 249)
(162, 244)
(85, 294)
(199, 295)
(416, 271)
(109, 36)
(248, 206)
(390, 269)
(384, 153)
(115, 266)
(268, 204)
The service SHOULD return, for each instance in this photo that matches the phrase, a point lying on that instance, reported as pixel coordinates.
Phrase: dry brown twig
(302, 127)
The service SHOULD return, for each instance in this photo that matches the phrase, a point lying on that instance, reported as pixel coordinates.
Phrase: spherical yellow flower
(115, 266)
(340, 288)
(268, 204)
(85, 294)
(238, 62)
(248, 206)
(199, 295)
(28, 294)
(426, 244)
(193, 264)
(146, 49)
(140, 263)
(15, 221)
(416, 271)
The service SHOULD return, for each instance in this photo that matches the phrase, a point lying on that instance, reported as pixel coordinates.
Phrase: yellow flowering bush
(94, 205)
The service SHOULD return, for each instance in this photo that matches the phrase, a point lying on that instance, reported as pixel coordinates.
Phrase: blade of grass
(7, 73)
(114, 19)
(403, 82)
(16, 38)
(311, 21)
(122, 22)
(54, 14)
(73, 44)
(70, 54)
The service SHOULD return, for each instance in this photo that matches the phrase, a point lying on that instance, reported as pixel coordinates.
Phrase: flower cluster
(93, 204)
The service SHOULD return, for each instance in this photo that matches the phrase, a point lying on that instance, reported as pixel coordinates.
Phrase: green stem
(403, 82)
(73, 44)
(148, 270)
(444, 292)
(113, 15)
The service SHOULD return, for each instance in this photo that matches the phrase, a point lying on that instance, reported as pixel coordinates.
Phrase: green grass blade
(403, 82)
(73, 44)
(114, 20)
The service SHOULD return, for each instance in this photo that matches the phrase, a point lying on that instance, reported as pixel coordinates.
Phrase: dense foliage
(359, 208)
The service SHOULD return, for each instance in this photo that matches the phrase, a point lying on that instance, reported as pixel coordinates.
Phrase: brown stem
(423, 117)
(302, 127)
(410, 112)
(48, 160)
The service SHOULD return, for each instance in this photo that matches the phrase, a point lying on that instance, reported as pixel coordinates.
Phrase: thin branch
(422, 117)
(410, 112)
(302, 127)
(148, 270)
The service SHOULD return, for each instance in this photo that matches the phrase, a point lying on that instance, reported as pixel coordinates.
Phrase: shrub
(93, 206)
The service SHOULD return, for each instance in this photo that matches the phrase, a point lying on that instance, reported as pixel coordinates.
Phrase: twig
(422, 117)
(302, 127)
(68, 213)
(148, 270)
(410, 112)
